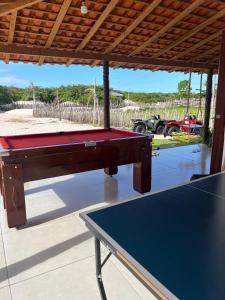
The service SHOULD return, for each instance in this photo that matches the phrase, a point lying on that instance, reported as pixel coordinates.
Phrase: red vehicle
(190, 124)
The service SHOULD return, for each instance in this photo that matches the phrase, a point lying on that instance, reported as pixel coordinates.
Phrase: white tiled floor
(53, 256)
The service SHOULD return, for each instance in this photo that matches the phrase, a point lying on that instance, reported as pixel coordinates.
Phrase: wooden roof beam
(11, 32)
(35, 51)
(16, 5)
(96, 26)
(136, 22)
(210, 51)
(175, 20)
(201, 26)
(189, 50)
(133, 25)
(64, 8)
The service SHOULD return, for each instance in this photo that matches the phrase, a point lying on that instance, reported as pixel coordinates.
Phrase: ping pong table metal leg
(99, 266)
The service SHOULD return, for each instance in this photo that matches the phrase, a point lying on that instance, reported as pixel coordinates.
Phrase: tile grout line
(52, 270)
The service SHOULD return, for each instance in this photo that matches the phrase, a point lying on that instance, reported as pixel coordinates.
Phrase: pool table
(31, 157)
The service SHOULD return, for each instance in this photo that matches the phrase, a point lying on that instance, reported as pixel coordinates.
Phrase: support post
(208, 100)
(200, 100)
(189, 92)
(219, 124)
(106, 94)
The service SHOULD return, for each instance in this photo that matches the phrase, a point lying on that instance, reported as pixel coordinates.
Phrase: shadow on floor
(40, 257)
(54, 198)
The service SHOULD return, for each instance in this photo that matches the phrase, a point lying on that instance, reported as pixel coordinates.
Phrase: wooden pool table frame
(22, 165)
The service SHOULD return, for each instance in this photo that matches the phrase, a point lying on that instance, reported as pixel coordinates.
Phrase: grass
(176, 141)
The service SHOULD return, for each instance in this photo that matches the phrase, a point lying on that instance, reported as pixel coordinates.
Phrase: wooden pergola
(181, 35)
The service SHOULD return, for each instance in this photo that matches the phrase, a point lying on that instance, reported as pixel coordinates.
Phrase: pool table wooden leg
(12, 179)
(2, 186)
(111, 170)
(142, 171)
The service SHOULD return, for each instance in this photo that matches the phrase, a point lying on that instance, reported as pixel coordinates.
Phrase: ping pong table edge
(148, 280)
(160, 291)
(83, 214)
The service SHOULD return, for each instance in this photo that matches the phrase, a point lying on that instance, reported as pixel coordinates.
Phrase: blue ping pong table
(173, 241)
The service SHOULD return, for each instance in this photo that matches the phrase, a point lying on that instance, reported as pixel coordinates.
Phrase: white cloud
(11, 80)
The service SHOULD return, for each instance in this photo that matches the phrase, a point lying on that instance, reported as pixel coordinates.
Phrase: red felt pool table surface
(62, 138)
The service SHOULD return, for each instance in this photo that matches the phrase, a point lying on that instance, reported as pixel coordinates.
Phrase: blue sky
(21, 75)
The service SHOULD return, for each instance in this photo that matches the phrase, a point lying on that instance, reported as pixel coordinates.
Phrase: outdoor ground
(53, 257)
(21, 121)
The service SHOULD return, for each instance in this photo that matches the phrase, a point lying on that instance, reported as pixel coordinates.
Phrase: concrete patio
(53, 256)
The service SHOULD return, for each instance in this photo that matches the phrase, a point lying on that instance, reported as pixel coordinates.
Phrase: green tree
(5, 96)
(182, 88)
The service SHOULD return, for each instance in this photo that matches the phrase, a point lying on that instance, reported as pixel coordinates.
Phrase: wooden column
(218, 138)
(189, 92)
(208, 100)
(106, 95)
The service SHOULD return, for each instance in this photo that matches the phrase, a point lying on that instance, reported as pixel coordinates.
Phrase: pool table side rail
(22, 166)
(53, 161)
(3, 151)
(151, 283)
(33, 135)
(5, 139)
(21, 151)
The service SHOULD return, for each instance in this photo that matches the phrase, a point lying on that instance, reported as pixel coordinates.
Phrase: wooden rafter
(97, 25)
(64, 8)
(210, 51)
(16, 5)
(136, 22)
(209, 21)
(174, 21)
(54, 53)
(130, 28)
(196, 46)
(116, 30)
(11, 32)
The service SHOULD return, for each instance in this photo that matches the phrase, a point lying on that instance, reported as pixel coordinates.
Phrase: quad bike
(155, 125)
(190, 124)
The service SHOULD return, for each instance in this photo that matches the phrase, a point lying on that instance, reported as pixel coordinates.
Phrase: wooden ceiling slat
(129, 26)
(11, 33)
(175, 20)
(134, 25)
(16, 5)
(218, 15)
(210, 51)
(64, 8)
(196, 46)
(97, 25)
(136, 22)
(12, 27)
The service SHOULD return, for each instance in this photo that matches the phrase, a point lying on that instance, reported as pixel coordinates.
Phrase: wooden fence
(119, 118)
